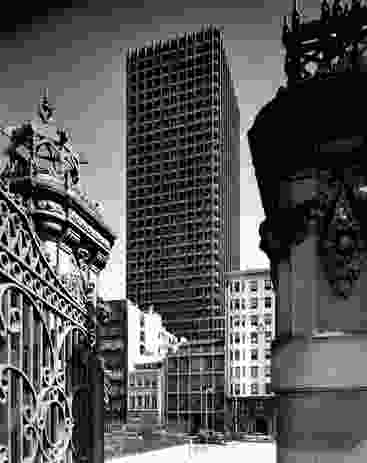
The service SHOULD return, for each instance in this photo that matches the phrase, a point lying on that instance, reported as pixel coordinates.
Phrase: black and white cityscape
(183, 242)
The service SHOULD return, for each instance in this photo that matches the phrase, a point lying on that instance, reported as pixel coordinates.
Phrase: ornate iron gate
(44, 352)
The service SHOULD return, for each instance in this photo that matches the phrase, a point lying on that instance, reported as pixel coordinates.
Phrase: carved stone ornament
(338, 214)
(342, 247)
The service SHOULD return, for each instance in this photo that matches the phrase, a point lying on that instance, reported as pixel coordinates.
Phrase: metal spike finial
(337, 8)
(325, 10)
(285, 30)
(45, 110)
(356, 5)
(296, 17)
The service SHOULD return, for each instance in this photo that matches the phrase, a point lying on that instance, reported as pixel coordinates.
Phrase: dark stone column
(308, 147)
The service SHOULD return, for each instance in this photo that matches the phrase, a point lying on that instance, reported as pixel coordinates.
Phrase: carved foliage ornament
(338, 214)
(341, 246)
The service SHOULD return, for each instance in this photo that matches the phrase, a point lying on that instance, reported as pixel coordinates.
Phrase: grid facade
(183, 132)
(195, 387)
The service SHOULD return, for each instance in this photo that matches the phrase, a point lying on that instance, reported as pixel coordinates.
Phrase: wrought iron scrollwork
(331, 44)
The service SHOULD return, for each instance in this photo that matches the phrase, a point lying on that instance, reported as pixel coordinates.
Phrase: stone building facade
(250, 329)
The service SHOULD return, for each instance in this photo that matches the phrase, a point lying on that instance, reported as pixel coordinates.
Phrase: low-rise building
(146, 393)
(113, 347)
(195, 387)
(250, 329)
(149, 344)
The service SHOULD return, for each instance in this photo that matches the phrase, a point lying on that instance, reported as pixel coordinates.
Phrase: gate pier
(309, 149)
(53, 245)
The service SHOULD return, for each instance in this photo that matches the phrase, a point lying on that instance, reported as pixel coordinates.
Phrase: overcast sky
(78, 53)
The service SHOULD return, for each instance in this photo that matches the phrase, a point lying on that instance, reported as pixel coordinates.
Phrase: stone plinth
(308, 147)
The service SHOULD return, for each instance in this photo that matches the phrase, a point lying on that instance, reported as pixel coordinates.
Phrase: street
(197, 453)
(264, 452)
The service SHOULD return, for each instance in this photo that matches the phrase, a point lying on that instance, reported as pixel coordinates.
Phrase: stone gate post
(309, 152)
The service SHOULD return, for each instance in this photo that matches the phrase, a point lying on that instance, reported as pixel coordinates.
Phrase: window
(238, 372)
(132, 380)
(243, 354)
(268, 335)
(253, 303)
(243, 371)
(142, 321)
(254, 338)
(231, 338)
(140, 401)
(237, 389)
(154, 401)
(267, 320)
(253, 285)
(267, 353)
(267, 284)
(237, 286)
(142, 349)
(139, 381)
(146, 401)
(244, 338)
(237, 355)
(254, 372)
(268, 388)
(243, 322)
(243, 304)
(267, 302)
(237, 322)
(243, 388)
(132, 402)
(237, 338)
(243, 285)
(267, 370)
(254, 320)
(142, 336)
(237, 304)
(254, 354)
(254, 388)
(231, 355)
(146, 382)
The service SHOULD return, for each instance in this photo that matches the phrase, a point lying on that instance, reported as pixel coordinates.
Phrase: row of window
(139, 381)
(146, 401)
(254, 389)
(187, 151)
(254, 371)
(237, 304)
(236, 322)
(196, 363)
(254, 337)
(236, 286)
(235, 355)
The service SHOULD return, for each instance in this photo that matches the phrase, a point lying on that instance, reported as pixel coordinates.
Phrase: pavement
(197, 453)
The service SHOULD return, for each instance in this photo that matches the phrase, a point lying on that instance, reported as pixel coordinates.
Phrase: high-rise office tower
(183, 199)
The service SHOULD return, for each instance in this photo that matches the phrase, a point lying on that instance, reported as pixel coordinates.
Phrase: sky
(78, 53)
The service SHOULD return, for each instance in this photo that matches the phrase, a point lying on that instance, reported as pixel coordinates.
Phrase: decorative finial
(356, 5)
(337, 9)
(296, 17)
(285, 31)
(325, 10)
(45, 110)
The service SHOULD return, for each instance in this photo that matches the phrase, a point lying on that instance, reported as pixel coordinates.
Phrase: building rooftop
(247, 273)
